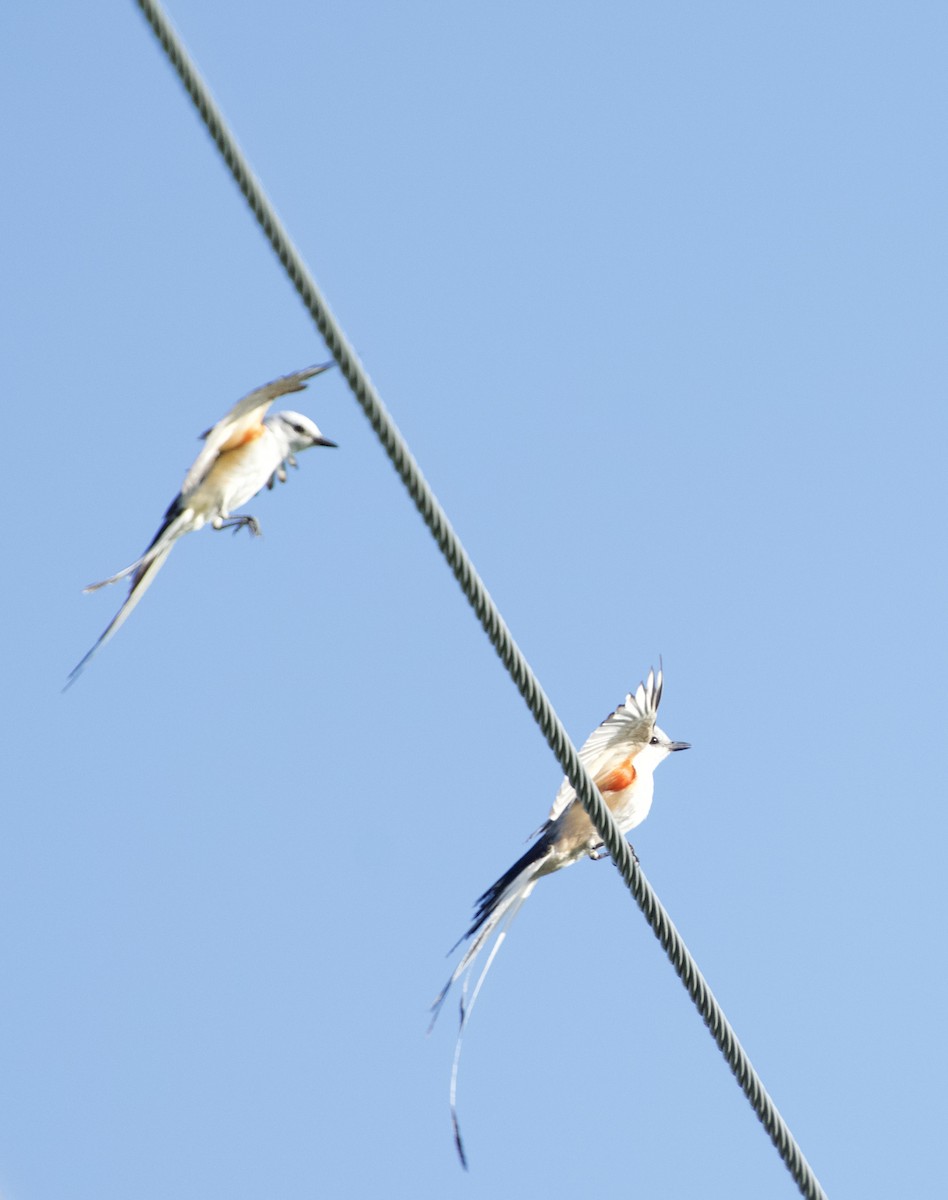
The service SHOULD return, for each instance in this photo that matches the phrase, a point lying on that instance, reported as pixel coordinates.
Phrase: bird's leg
(600, 851)
(236, 523)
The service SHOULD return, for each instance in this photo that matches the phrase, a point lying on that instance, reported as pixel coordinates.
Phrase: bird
(243, 453)
(620, 756)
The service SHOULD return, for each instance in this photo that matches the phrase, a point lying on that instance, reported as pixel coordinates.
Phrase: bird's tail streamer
(465, 1015)
(496, 910)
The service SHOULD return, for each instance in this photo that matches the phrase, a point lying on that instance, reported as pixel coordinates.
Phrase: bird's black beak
(321, 441)
(679, 745)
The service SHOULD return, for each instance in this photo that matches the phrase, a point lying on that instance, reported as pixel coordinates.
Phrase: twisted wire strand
(479, 598)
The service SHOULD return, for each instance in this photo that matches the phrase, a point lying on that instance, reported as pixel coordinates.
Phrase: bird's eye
(299, 429)
(653, 741)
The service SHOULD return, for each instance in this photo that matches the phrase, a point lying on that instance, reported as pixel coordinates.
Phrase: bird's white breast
(631, 806)
(236, 476)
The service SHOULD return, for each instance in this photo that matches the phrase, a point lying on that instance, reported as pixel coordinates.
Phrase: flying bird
(243, 453)
(621, 757)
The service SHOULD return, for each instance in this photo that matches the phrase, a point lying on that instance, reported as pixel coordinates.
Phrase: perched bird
(620, 756)
(243, 453)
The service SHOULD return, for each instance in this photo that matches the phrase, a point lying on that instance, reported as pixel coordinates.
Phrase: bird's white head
(657, 749)
(297, 431)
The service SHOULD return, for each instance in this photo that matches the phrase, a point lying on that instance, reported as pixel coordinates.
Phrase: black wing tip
(311, 372)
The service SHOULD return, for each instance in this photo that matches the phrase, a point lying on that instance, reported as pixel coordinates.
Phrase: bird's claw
(600, 851)
(236, 523)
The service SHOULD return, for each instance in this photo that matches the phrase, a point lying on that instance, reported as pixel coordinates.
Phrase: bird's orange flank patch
(243, 437)
(618, 778)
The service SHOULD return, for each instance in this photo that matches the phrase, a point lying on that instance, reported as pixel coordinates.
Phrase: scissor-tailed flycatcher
(621, 756)
(243, 453)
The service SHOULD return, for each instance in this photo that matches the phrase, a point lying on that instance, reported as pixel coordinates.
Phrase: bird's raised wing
(244, 422)
(622, 733)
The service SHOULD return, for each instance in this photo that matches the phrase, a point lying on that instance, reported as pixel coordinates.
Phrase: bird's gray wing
(621, 733)
(243, 422)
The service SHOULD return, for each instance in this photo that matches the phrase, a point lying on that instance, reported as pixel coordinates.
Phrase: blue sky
(657, 295)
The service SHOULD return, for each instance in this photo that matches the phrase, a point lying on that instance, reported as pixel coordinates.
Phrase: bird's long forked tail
(143, 571)
(147, 569)
(496, 910)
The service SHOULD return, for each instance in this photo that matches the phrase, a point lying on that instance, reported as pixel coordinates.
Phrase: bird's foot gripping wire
(236, 523)
(600, 851)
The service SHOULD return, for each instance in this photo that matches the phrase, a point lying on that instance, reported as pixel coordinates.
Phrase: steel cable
(487, 613)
